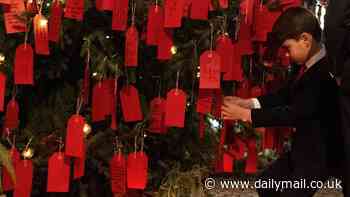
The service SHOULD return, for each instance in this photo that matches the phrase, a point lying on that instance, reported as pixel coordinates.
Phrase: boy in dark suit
(309, 104)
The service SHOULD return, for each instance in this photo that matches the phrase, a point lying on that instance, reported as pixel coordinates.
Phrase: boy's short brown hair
(290, 25)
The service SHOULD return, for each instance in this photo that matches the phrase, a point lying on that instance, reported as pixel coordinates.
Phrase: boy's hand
(231, 111)
(245, 103)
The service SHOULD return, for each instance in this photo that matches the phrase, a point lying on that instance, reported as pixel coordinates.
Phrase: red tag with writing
(200, 9)
(228, 162)
(7, 183)
(103, 100)
(130, 102)
(23, 65)
(154, 24)
(11, 16)
(79, 165)
(41, 36)
(24, 178)
(165, 42)
(157, 115)
(55, 21)
(58, 173)
(2, 90)
(131, 47)
(75, 136)
(74, 9)
(117, 168)
(120, 15)
(175, 108)
(104, 5)
(173, 11)
(137, 170)
(251, 163)
(204, 101)
(12, 113)
(224, 48)
(210, 65)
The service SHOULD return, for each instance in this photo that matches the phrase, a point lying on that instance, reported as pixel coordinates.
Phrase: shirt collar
(317, 57)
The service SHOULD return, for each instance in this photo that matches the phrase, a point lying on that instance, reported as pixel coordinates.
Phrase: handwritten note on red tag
(75, 136)
(210, 64)
(117, 168)
(131, 47)
(55, 21)
(58, 173)
(41, 35)
(74, 9)
(12, 23)
(225, 49)
(120, 15)
(173, 11)
(175, 108)
(23, 65)
(130, 102)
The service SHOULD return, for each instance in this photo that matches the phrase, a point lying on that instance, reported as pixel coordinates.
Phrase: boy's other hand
(245, 103)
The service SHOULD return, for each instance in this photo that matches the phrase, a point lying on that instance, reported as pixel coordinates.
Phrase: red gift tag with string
(24, 178)
(102, 5)
(23, 65)
(247, 8)
(137, 170)
(131, 47)
(210, 64)
(175, 108)
(117, 169)
(13, 24)
(55, 21)
(74, 9)
(7, 183)
(235, 72)
(204, 101)
(264, 20)
(41, 36)
(32, 6)
(165, 42)
(224, 48)
(173, 11)
(154, 24)
(251, 163)
(58, 173)
(79, 165)
(2, 90)
(227, 162)
(187, 9)
(86, 85)
(103, 100)
(75, 136)
(12, 113)
(120, 15)
(130, 102)
(200, 9)
(157, 115)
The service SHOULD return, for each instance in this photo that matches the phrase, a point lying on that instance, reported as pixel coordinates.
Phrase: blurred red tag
(120, 15)
(41, 35)
(130, 102)
(55, 21)
(7, 183)
(204, 101)
(165, 42)
(137, 170)
(23, 65)
(154, 24)
(173, 11)
(24, 178)
(11, 17)
(223, 3)
(247, 8)
(235, 72)
(74, 9)
(79, 165)
(103, 100)
(12, 113)
(131, 47)
(264, 20)
(157, 115)
(102, 5)
(117, 168)
(251, 162)
(175, 108)
(200, 9)
(210, 64)
(58, 173)
(75, 136)
(228, 162)
(224, 48)
(2, 90)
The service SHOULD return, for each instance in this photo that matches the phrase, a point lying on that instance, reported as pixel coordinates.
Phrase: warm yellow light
(173, 50)
(28, 153)
(87, 129)
(43, 22)
(2, 58)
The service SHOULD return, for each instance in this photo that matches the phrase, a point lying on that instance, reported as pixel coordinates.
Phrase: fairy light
(2, 58)
(43, 22)
(87, 129)
(173, 50)
(28, 153)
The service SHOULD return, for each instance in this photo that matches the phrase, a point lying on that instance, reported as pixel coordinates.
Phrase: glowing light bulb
(28, 153)
(87, 129)
(43, 22)
(173, 50)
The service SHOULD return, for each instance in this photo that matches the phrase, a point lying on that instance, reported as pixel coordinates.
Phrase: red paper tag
(154, 24)
(103, 100)
(117, 168)
(204, 101)
(32, 6)
(79, 165)
(225, 49)
(175, 108)
(210, 65)
(251, 162)
(11, 117)
(86, 85)
(131, 47)
(7, 183)
(235, 72)
(120, 15)
(74, 9)
(228, 162)
(75, 136)
(11, 16)
(243, 90)
(247, 8)
(137, 170)
(131, 108)
(187, 8)
(24, 178)
(223, 3)
(237, 149)
(55, 21)
(41, 36)
(23, 67)
(58, 173)
(104, 5)
(157, 115)
(165, 42)
(173, 11)
(200, 9)
(264, 20)
(2, 90)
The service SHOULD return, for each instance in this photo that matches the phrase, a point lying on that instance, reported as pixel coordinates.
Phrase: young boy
(309, 104)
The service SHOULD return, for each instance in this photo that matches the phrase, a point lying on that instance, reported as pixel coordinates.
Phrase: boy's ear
(306, 37)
